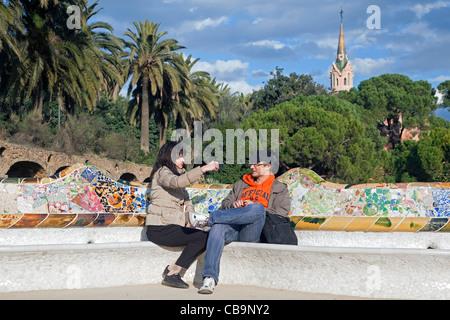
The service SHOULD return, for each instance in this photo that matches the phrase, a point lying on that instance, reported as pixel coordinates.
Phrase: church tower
(341, 74)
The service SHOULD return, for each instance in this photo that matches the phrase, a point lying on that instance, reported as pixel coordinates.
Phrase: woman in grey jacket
(167, 219)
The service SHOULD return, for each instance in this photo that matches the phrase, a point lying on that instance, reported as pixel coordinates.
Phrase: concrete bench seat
(361, 272)
(85, 196)
(85, 230)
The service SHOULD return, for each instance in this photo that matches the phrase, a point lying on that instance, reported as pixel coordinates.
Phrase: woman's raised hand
(212, 166)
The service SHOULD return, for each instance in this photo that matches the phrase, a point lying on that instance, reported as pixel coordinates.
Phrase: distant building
(341, 74)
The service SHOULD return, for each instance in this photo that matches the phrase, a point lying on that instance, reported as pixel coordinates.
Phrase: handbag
(278, 230)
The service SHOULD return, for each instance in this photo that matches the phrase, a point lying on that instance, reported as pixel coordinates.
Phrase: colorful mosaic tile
(381, 200)
(85, 196)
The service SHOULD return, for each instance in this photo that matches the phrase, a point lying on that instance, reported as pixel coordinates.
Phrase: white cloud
(277, 45)
(242, 86)
(370, 67)
(208, 22)
(439, 79)
(225, 70)
(260, 73)
(366, 37)
(327, 43)
(233, 72)
(414, 37)
(422, 10)
(420, 28)
(198, 25)
(258, 20)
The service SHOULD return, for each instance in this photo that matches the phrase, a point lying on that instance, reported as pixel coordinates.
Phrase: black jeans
(173, 235)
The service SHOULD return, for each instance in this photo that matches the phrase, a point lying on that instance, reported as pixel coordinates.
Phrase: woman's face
(179, 163)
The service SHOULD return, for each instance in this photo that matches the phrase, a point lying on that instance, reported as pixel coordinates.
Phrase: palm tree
(198, 95)
(150, 67)
(164, 103)
(101, 67)
(10, 27)
(47, 55)
(39, 42)
(190, 98)
(175, 75)
(74, 66)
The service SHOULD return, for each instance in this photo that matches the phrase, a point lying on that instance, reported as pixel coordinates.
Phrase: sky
(240, 42)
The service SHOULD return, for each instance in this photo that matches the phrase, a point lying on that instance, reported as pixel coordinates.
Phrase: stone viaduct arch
(18, 161)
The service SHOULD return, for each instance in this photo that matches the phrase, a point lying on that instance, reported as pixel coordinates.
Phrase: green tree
(150, 58)
(102, 68)
(395, 99)
(197, 97)
(284, 88)
(325, 141)
(10, 27)
(229, 173)
(348, 110)
(434, 153)
(404, 163)
(39, 43)
(426, 160)
(231, 108)
(60, 64)
(444, 89)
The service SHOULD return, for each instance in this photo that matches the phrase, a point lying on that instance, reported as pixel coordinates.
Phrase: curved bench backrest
(84, 195)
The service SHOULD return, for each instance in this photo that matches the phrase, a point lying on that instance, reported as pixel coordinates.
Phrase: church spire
(341, 74)
(341, 56)
(341, 44)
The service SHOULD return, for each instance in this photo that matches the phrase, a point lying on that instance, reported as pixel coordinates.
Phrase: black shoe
(165, 272)
(174, 280)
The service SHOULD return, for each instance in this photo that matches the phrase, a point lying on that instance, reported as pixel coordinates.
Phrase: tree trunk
(1, 66)
(188, 128)
(145, 134)
(38, 99)
(69, 105)
(163, 132)
(116, 91)
(178, 121)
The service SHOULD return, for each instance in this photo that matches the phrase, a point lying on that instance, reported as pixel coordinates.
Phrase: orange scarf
(257, 192)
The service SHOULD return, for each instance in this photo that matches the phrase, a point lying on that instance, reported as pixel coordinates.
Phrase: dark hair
(266, 157)
(164, 159)
(257, 157)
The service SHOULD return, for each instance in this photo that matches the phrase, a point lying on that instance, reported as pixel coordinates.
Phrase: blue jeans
(235, 224)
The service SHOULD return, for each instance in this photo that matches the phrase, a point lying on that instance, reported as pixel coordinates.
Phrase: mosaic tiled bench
(84, 196)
